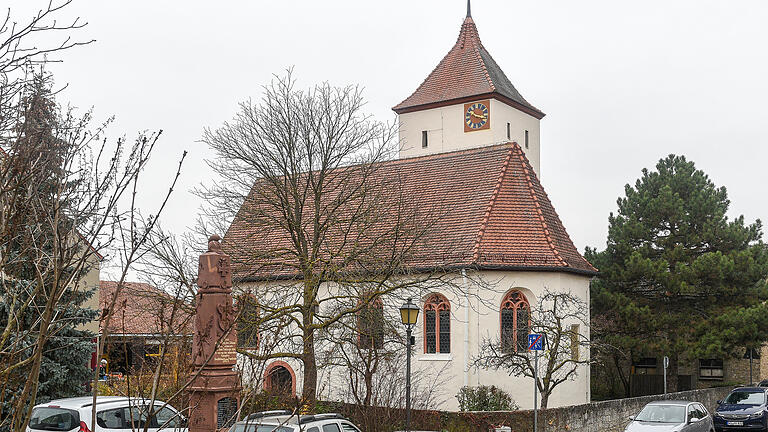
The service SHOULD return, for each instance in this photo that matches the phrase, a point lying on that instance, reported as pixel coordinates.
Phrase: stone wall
(613, 415)
(605, 416)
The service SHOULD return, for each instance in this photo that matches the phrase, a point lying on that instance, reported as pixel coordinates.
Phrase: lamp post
(409, 313)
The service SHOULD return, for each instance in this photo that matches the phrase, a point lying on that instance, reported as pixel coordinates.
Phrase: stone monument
(215, 388)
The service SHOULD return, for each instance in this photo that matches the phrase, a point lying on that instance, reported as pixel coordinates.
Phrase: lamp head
(409, 313)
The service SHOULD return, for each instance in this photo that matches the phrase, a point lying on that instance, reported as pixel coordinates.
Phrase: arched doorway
(279, 378)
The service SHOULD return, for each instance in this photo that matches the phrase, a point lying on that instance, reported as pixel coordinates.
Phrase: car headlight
(756, 415)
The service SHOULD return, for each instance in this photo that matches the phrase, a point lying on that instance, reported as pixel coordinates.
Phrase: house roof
(143, 310)
(467, 71)
(493, 214)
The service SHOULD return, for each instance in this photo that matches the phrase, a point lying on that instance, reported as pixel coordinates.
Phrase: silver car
(672, 416)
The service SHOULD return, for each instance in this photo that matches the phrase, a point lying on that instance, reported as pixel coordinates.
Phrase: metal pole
(750, 366)
(408, 381)
(536, 392)
(666, 363)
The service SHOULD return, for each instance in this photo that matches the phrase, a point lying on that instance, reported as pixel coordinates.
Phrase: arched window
(247, 323)
(437, 325)
(515, 322)
(370, 325)
(279, 378)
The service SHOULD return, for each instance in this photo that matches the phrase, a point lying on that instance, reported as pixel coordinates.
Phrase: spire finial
(469, 9)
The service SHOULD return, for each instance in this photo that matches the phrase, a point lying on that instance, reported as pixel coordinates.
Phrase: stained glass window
(515, 322)
(437, 325)
(370, 323)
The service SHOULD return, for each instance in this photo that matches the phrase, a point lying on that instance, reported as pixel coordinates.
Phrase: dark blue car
(745, 409)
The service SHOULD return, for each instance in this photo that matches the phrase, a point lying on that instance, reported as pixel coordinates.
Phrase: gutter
(433, 269)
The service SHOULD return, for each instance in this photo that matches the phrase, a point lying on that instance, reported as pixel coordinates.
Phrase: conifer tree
(33, 173)
(678, 277)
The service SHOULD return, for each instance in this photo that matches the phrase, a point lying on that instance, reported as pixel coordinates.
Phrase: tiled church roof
(467, 71)
(494, 214)
(142, 309)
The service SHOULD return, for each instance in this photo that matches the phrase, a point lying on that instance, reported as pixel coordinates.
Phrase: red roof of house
(493, 214)
(467, 71)
(142, 309)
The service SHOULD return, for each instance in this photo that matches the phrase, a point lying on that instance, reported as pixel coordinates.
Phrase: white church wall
(484, 324)
(447, 371)
(445, 129)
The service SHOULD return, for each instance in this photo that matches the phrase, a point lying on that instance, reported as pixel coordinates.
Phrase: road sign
(536, 342)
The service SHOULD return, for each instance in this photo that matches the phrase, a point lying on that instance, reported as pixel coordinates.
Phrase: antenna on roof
(469, 9)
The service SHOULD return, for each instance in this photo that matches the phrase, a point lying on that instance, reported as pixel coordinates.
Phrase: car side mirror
(719, 402)
(694, 420)
(631, 418)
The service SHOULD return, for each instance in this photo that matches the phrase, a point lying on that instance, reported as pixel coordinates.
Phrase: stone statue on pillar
(215, 390)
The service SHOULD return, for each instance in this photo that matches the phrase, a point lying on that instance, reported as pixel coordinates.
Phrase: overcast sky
(623, 83)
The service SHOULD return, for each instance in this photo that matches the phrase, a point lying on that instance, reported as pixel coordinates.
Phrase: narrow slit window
(509, 131)
(575, 344)
(526, 139)
(424, 139)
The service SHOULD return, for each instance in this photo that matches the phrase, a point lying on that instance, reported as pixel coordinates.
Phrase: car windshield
(745, 398)
(54, 419)
(662, 414)
(261, 428)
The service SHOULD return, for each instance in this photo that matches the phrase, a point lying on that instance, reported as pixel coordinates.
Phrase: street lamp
(409, 313)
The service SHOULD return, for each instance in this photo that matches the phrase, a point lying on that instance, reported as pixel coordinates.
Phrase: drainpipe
(466, 327)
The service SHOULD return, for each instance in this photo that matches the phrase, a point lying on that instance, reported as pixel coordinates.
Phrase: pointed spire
(467, 70)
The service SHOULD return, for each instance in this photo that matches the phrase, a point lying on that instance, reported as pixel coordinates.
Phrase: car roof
(267, 418)
(87, 401)
(670, 402)
(751, 389)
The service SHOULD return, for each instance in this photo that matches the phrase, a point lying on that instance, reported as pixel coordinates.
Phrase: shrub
(485, 398)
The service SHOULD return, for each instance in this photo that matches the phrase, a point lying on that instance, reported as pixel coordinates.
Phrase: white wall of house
(91, 282)
(445, 130)
(485, 292)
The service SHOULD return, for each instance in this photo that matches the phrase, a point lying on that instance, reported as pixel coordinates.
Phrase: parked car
(763, 383)
(672, 416)
(743, 408)
(286, 421)
(113, 413)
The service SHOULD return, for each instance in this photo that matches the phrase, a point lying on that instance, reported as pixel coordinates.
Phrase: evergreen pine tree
(678, 277)
(35, 161)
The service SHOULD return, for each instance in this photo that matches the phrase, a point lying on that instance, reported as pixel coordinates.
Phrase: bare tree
(64, 206)
(320, 222)
(562, 318)
(26, 44)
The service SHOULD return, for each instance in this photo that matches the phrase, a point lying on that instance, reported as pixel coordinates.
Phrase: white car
(286, 421)
(672, 416)
(113, 414)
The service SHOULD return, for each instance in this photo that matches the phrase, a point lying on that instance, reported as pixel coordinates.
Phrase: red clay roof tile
(494, 213)
(467, 70)
(142, 309)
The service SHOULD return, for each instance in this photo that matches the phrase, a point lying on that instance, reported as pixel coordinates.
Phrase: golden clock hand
(478, 116)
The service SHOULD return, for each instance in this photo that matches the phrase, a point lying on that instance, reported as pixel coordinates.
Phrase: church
(470, 138)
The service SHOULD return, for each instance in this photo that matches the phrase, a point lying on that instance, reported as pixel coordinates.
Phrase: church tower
(467, 102)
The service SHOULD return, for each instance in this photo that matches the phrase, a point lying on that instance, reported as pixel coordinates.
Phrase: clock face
(477, 116)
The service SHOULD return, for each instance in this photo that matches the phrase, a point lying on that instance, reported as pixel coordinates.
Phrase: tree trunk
(368, 388)
(26, 400)
(309, 388)
(624, 379)
(672, 373)
(545, 399)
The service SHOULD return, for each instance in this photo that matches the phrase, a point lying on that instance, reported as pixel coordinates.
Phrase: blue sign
(536, 342)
